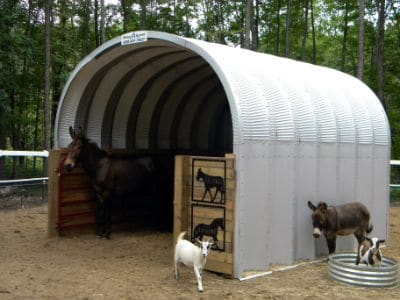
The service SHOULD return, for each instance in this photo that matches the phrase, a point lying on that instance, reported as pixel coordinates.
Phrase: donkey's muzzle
(68, 167)
(316, 233)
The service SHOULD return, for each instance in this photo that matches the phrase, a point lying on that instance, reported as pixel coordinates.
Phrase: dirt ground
(139, 266)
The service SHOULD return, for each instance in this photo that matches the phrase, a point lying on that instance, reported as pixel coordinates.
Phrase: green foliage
(74, 34)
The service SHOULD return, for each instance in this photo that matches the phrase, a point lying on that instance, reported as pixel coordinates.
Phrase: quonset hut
(297, 132)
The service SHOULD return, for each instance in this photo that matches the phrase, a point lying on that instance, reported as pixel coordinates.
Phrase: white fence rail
(43, 153)
(27, 181)
(394, 163)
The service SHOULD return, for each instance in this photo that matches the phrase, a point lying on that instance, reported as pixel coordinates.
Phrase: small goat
(369, 252)
(191, 256)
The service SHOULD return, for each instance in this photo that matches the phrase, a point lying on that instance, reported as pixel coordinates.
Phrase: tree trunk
(96, 23)
(305, 32)
(143, 15)
(345, 31)
(47, 101)
(85, 27)
(380, 51)
(248, 27)
(361, 41)
(125, 15)
(314, 47)
(102, 23)
(255, 38)
(288, 27)
(220, 23)
(278, 28)
(3, 143)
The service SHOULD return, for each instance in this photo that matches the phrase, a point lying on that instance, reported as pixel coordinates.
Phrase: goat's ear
(381, 241)
(311, 206)
(323, 206)
(197, 241)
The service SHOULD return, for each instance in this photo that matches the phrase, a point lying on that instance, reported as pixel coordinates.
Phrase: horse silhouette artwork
(210, 182)
(209, 230)
(110, 177)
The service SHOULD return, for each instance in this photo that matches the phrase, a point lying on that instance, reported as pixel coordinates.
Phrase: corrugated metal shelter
(298, 131)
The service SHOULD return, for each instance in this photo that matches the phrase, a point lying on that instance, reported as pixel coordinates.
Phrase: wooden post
(54, 158)
(181, 173)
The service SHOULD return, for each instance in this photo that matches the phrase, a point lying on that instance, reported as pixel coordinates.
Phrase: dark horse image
(209, 230)
(110, 177)
(211, 182)
(333, 221)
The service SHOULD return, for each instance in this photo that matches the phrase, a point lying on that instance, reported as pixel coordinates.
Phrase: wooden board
(204, 194)
(71, 200)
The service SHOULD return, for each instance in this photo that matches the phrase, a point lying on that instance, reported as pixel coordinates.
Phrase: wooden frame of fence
(190, 209)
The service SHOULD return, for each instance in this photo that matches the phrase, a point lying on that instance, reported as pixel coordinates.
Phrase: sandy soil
(32, 266)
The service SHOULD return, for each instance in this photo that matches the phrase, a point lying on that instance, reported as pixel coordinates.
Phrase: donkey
(110, 177)
(351, 218)
(211, 182)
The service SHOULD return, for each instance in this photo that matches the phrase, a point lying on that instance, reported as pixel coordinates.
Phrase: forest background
(41, 42)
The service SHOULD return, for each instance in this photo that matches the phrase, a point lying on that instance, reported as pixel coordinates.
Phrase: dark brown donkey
(351, 218)
(110, 177)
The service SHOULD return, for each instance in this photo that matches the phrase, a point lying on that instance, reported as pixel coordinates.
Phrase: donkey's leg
(107, 218)
(100, 215)
(331, 241)
(360, 236)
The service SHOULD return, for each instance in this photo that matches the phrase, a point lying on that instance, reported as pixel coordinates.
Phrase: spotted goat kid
(369, 252)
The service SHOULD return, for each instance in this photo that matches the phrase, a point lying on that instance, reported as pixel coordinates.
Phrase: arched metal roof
(170, 92)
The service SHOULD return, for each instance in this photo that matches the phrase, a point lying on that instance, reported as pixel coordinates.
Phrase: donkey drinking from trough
(209, 230)
(110, 177)
(211, 182)
(351, 218)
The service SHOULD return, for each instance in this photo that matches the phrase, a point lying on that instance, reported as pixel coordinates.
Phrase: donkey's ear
(323, 206)
(311, 206)
(80, 133)
(72, 133)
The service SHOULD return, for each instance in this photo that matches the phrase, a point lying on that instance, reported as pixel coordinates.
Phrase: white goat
(369, 252)
(191, 256)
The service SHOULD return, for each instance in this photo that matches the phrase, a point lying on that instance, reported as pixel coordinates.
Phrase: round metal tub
(343, 268)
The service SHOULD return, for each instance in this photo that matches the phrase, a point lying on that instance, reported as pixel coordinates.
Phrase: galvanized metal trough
(342, 268)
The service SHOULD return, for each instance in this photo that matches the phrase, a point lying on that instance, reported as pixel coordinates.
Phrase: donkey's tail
(180, 236)
(369, 228)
